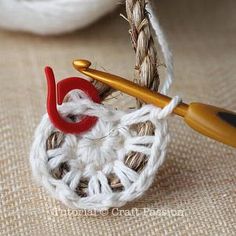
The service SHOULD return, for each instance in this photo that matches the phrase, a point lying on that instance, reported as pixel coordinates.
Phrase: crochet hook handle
(214, 122)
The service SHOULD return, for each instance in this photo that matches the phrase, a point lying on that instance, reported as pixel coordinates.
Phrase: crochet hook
(216, 123)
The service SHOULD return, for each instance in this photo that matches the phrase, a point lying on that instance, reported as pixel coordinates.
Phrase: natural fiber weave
(146, 73)
(199, 174)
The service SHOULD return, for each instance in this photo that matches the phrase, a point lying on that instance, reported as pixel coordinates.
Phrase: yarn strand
(164, 47)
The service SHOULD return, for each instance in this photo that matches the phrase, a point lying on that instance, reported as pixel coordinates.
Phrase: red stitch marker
(63, 87)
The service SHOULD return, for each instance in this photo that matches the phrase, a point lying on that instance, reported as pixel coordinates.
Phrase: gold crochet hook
(211, 121)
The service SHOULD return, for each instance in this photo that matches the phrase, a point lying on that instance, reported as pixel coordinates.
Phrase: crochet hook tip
(81, 64)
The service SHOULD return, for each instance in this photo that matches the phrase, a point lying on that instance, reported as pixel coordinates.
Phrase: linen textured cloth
(194, 192)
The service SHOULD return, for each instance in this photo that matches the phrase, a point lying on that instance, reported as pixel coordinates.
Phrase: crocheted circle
(89, 171)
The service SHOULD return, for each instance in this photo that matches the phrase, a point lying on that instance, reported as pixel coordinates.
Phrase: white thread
(164, 47)
(52, 16)
(101, 151)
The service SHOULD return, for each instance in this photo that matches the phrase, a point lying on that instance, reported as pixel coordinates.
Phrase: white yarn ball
(52, 16)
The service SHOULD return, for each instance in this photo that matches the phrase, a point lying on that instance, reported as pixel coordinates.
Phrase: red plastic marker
(63, 87)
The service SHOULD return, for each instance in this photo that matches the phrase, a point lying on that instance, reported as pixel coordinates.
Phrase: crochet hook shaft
(211, 121)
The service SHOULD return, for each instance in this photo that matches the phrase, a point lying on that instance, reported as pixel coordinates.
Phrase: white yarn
(164, 47)
(92, 157)
(101, 151)
(52, 16)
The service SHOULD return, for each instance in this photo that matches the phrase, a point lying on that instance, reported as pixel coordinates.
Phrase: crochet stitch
(98, 154)
(100, 168)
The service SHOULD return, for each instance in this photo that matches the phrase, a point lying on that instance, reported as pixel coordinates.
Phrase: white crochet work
(100, 152)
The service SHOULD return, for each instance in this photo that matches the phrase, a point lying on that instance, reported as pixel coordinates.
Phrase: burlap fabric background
(194, 191)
